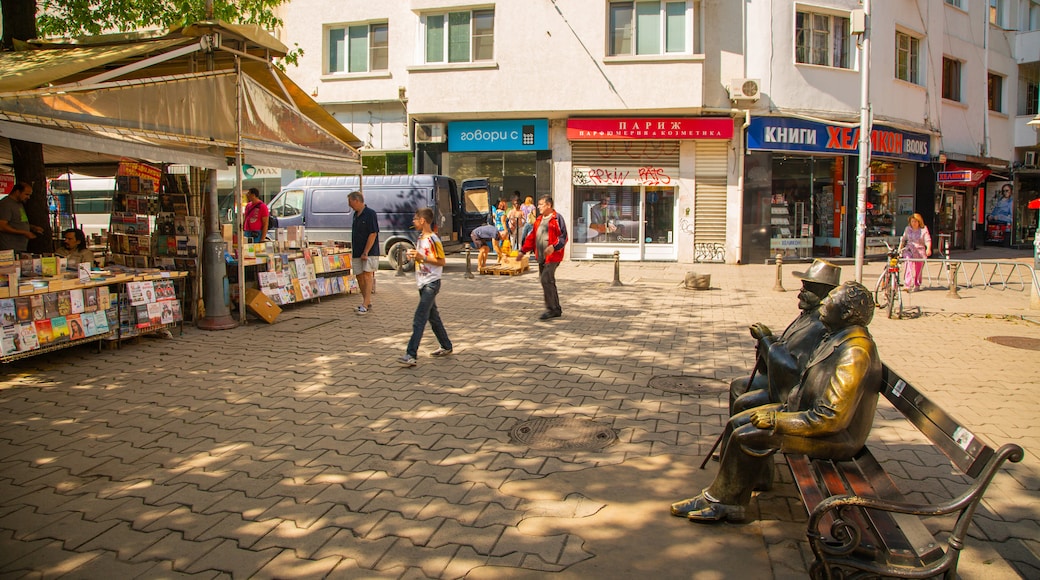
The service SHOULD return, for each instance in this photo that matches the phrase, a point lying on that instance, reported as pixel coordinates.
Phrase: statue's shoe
(717, 512)
(683, 508)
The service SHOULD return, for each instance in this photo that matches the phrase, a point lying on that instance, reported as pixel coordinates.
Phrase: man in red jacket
(547, 239)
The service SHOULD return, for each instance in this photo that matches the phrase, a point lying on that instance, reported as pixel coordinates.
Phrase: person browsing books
(257, 217)
(429, 259)
(364, 247)
(15, 229)
(75, 247)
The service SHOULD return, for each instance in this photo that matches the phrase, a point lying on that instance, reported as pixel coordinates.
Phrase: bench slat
(961, 446)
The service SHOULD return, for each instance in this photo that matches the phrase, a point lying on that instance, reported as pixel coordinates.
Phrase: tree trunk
(19, 18)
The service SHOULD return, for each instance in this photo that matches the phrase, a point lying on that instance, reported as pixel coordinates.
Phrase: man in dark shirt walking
(364, 246)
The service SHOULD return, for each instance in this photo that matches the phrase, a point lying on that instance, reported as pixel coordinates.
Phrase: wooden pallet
(508, 267)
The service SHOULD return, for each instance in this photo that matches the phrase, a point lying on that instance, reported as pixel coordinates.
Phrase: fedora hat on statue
(821, 272)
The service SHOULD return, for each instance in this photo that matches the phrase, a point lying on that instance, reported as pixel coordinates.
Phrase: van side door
(329, 217)
(476, 205)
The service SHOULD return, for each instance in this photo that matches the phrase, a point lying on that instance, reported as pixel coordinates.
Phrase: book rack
(309, 274)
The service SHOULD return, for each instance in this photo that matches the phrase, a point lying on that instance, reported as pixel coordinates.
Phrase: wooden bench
(860, 521)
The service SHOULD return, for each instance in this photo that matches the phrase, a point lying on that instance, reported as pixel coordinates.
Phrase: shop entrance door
(658, 223)
(949, 215)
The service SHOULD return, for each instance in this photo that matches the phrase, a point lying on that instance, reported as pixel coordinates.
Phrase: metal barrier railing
(986, 273)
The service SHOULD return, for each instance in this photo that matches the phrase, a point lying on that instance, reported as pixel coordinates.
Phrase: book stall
(289, 271)
(49, 308)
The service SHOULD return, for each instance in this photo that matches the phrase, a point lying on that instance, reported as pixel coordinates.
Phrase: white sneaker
(407, 361)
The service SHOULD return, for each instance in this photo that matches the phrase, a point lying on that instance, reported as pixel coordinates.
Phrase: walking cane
(718, 441)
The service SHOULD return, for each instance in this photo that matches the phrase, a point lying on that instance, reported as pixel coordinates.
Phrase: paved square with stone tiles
(300, 450)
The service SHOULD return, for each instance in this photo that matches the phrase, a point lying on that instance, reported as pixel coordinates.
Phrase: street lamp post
(863, 29)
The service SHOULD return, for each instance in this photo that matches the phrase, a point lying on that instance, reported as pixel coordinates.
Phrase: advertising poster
(999, 205)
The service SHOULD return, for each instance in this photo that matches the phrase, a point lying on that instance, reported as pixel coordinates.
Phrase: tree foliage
(88, 17)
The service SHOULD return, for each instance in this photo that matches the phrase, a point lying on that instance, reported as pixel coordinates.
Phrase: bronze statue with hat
(828, 415)
(779, 361)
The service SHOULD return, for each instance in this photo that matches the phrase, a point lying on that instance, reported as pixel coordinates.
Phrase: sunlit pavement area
(299, 449)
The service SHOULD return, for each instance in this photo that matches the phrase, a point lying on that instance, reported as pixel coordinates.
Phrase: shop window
(358, 48)
(822, 39)
(951, 79)
(639, 28)
(607, 215)
(995, 93)
(882, 204)
(465, 36)
(908, 50)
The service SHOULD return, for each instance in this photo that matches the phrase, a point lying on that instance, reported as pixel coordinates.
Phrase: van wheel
(400, 248)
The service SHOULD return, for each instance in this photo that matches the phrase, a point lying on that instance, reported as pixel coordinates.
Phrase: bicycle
(887, 293)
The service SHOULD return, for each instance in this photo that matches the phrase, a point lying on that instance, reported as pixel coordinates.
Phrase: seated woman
(75, 247)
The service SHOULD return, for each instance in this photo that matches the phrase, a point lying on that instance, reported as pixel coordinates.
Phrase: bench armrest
(846, 532)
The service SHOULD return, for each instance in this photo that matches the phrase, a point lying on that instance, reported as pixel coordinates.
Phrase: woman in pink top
(916, 243)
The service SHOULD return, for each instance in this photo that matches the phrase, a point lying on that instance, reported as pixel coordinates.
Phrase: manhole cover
(299, 324)
(688, 385)
(1016, 342)
(561, 433)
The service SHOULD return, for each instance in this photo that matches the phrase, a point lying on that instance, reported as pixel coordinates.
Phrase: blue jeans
(427, 311)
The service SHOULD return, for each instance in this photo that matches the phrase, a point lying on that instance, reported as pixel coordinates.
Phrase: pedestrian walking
(429, 259)
(364, 247)
(258, 216)
(15, 229)
(547, 240)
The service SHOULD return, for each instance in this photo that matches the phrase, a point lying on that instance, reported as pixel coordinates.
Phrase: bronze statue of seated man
(779, 361)
(828, 415)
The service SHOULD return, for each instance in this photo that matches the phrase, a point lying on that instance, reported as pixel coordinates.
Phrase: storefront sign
(790, 243)
(136, 169)
(646, 175)
(788, 134)
(661, 128)
(499, 135)
(953, 176)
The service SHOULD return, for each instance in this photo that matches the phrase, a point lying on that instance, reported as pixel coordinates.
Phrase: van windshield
(288, 203)
(477, 201)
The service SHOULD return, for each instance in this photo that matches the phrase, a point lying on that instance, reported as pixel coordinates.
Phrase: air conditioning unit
(746, 89)
(430, 133)
(1030, 159)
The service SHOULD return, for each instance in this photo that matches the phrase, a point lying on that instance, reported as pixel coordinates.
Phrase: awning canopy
(957, 175)
(192, 96)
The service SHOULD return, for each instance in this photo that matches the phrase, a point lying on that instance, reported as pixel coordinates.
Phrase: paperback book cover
(64, 303)
(90, 303)
(43, 331)
(104, 299)
(76, 331)
(23, 308)
(155, 313)
(101, 321)
(8, 316)
(50, 305)
(27, 332)
(76, 300)
(141, 315)
(38, 310)
(89, 327)
(59, 329)
(10, 341)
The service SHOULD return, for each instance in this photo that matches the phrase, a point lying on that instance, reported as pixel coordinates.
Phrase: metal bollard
(617, 269)
(469, 262)
(400, 262)
(779, 286)
(952, 291)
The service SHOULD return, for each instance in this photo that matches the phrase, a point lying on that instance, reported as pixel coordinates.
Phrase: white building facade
(630, 114)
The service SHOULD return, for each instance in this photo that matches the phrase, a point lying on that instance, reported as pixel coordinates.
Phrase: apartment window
(649, 28)
(466, 36)
(1030, 103)
(1033, 17)
(951, 79)
(957, 3)
(908, 60)
(822, 39)
(998, 12)
(359, 48)
(995, 92)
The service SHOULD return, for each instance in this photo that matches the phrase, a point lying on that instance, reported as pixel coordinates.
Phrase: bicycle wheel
(881, 291)
(891, 293)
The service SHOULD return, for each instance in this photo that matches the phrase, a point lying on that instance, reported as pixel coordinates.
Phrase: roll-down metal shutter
(709, 206)
(628, 154)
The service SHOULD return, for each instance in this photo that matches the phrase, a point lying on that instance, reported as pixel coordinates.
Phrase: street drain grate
(1016, 342)
(688, 385)
(299, 324)
(563, 434)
